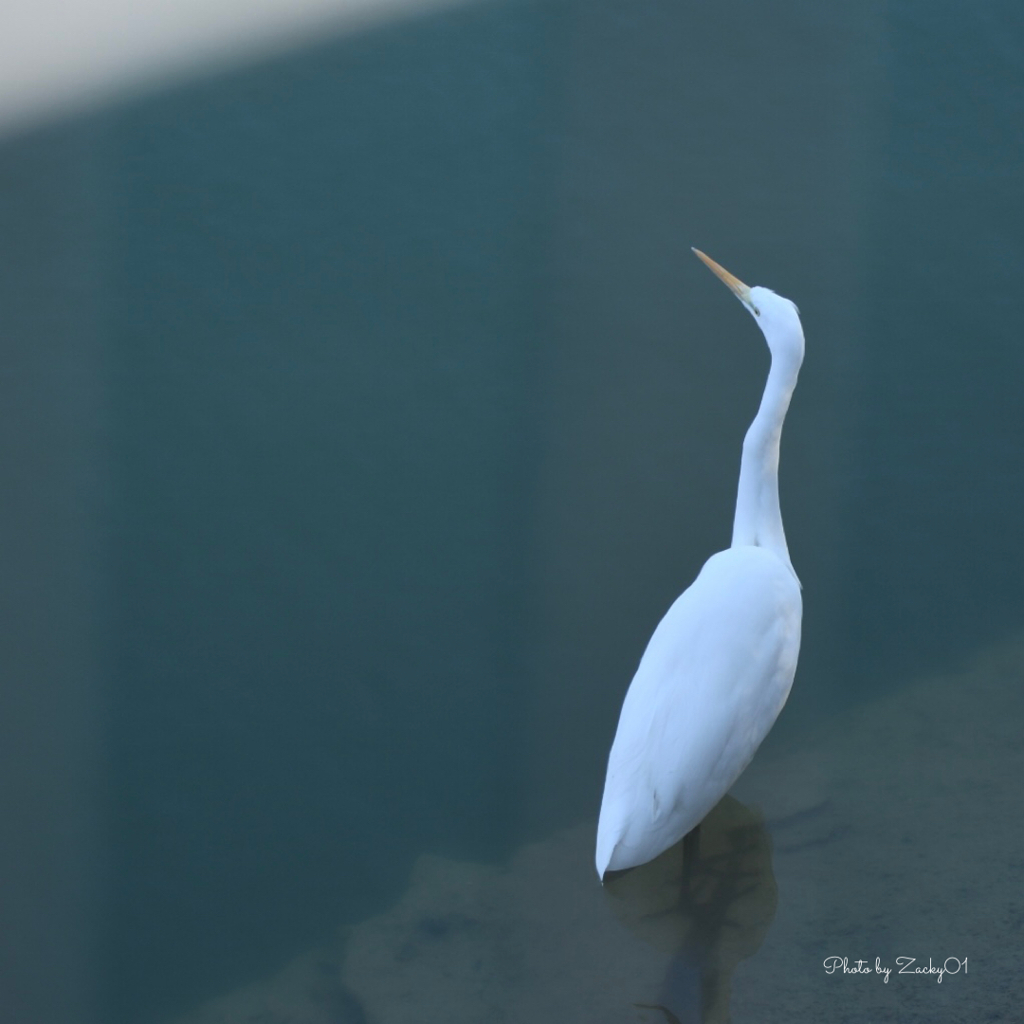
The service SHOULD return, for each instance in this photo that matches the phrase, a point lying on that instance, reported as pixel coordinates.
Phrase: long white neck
(758, 515)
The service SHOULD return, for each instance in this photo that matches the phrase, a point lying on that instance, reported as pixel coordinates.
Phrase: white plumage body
(710, 685)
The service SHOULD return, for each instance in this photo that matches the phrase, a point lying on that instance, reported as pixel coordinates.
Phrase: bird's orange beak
(734, 284)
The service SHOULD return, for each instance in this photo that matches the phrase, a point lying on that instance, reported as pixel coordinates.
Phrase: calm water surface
(364, 409)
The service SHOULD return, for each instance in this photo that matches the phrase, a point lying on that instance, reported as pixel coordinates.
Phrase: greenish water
(364, 409)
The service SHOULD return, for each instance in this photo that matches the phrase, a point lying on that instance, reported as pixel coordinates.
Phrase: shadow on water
(538, 938)
(709, 903)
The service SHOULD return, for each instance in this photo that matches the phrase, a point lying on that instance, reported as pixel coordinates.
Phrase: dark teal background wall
(324, 383)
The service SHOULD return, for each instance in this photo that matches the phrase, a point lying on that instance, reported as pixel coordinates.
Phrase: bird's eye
(757, 312)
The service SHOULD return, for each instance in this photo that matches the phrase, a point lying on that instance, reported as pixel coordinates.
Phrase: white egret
(720, 664)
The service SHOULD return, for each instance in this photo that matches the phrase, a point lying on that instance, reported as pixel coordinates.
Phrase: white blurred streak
(63, 56)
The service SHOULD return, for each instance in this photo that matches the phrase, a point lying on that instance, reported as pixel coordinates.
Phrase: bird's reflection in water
(709, 900)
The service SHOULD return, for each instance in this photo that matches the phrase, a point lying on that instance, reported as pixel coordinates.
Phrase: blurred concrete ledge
(60, 57)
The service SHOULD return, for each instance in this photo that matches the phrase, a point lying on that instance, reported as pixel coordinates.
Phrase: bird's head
(778, 318)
